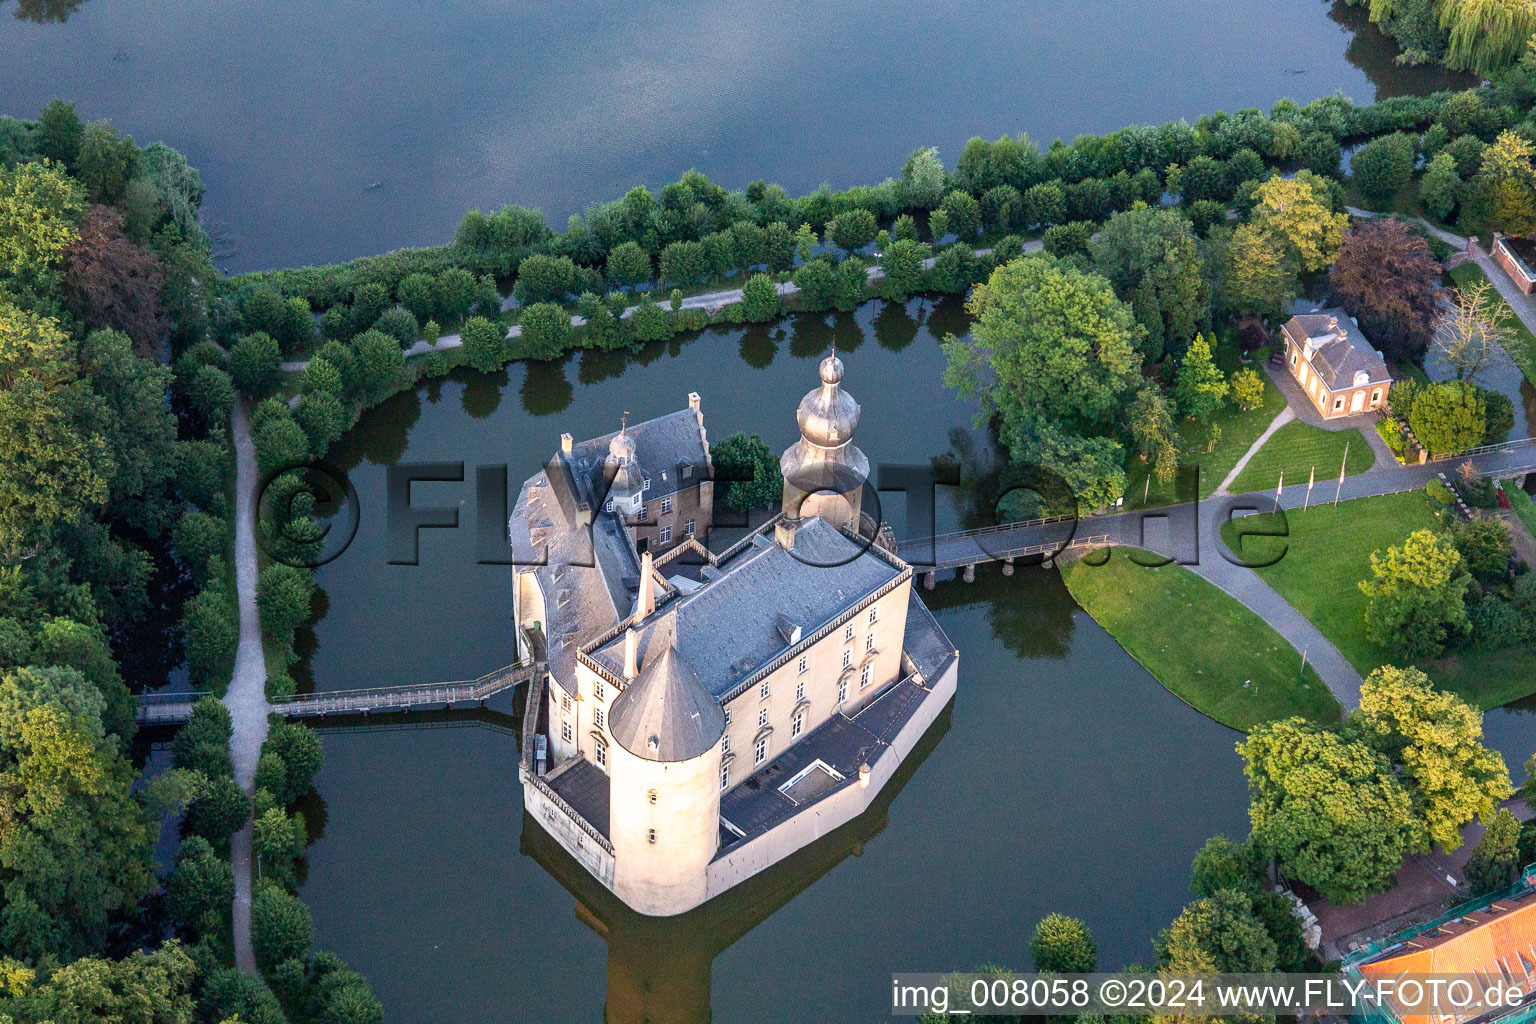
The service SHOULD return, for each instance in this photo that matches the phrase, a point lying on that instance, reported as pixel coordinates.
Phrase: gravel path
(246, 698)
(1283, 417)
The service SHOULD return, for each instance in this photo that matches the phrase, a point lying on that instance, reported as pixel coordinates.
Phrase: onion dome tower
(626, 481)
(824, 472)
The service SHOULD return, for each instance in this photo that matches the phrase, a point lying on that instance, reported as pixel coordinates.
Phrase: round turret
(828, 416)
(824, 472)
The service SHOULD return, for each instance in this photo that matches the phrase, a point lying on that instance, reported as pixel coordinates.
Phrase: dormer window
(685, 471)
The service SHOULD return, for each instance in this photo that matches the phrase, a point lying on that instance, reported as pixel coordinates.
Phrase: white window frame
(666, 535)
(727, 716)
(869, 642)
(762, 717)
(800, 666)
(848, 632)
(760, 751)
(797, 724)
(762, 691)
(800, 690)
(847, 658)
(597, 717)
(725, 777)
(565, 730)
(725, 744)
(666, 505)
(866, 676)
(689, 527)
(598, 691)
(600, 754)
(874, 613)
(842, 692)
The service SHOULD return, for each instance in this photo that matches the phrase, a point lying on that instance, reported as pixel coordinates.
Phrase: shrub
(760, 299)
(1068, 239)
(1439, 493)
(283, 594)
(1449, 417)
(199, 538)
(232, 994)
(254, 365)
(400, 324)
(1247, 389)
(484, 344)
(212, 635)
(280, 686)
(1393, 436)
(546, 331)
(217, 815)
(300, 752)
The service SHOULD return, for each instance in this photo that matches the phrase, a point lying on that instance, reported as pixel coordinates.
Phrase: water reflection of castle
(660, 968)
(706, 715)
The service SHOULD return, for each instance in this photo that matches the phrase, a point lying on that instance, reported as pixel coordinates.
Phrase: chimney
(693, 400)
(647, 587)
(565, 444)
(784, 533)
(1333, 323)
(863, 776)
(631, 654)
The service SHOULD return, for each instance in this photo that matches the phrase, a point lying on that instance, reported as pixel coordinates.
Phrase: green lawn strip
(1201, 643)
(1522, 504)
(1296, 449)
(1518, 340)
(1238, 432)
(1328, 552)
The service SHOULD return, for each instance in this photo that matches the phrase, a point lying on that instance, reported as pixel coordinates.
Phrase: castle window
(565, 730)
(1338, 403)
(725, 776)
(762, 717)
(727, 716)
(760, 753)
(869, 641)
(666, 534)
(842, 691)
(565, 702)
(800, 667)
(608, 505)
(874, 613)
(598, 691)
(864, 676)
(1376, 396)
(800, 691)
(650, 795)
(597, 717)
(666, 505)
(797, 724)
(847, 658)
(639, 511)
(762, 691)
(600, 754)
(687, 472)
(725, 744)
(650, 835)
(689, 527)
(848, 632)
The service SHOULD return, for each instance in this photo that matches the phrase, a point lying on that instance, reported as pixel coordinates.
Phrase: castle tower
(626, 483)
(824, 472)
(664, 786)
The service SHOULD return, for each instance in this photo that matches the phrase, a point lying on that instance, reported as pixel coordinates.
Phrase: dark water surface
(333, 130)
(1065, 778)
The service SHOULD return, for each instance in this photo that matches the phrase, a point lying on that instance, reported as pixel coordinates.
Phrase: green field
(1518, 340)
(1238, 432)
(1522, 504)
(1298, 448)
(1240, 672)
(1328, 553)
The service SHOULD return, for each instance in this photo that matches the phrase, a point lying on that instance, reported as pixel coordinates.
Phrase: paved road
(708, 301)
(246, 697)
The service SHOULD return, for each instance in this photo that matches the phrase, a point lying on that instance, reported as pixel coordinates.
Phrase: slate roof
(666, 714)
(1334, 358)
(585, 787)
(661, 446)
(731, 626)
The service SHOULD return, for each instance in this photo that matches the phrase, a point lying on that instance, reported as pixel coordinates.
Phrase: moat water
(1064, 779)
(328, 131)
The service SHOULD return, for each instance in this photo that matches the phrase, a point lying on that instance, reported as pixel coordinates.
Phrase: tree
(212, 634)
(1061, 348)
(543, 278)
(963, 214)
(399, 323)
(546, 331)
(1063, 945)
(1387, 279)
(1091, 468)
(1495, 859)
(1222, 864)
(683, 263)
(1247, 389)
(1436, 738)
(484, 344)
(301, 752)
(75, 849)
(1486, 36)
(1217, 933)
(816, 283)
(957, 268)
(199, 891)
(278, 840)
(283, 595)
(1328, 810)
(902, 266)
(254, 365)
(110, 282)
(760, 299)
(649, 321)
(852, 230)
(144, 988)
(1483, 542)
(230, 994)
(59, 133)
(280, 927)
(1252, 270)
(1201, 388)
(1440, 186)
(1297, 215)
(750, 471)
(323, 419)
(211, 394)
(1417, 594)
(52, 468)
(281, 444)
(922, 180)
(1469, 333)
(629, 264)
(108, 160)
(1382, 166)
(380, 366)
(1449, 417)
(1151, 426)
(1150, 257)
(40, 206)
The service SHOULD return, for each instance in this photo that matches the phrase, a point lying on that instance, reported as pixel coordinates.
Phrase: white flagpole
(1340, 488)
(1310, 478)
(1279, 485)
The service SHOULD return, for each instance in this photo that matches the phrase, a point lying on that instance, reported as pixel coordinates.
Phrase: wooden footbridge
(1005, 542)
(166, 708)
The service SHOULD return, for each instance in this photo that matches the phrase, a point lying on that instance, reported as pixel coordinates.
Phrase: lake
(329, 131)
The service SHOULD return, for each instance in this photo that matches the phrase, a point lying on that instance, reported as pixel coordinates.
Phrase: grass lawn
(1240, 672)
(1518, 340)
(1328, 552)
(1296, 449)
(1238, 432)
(1522, 504)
